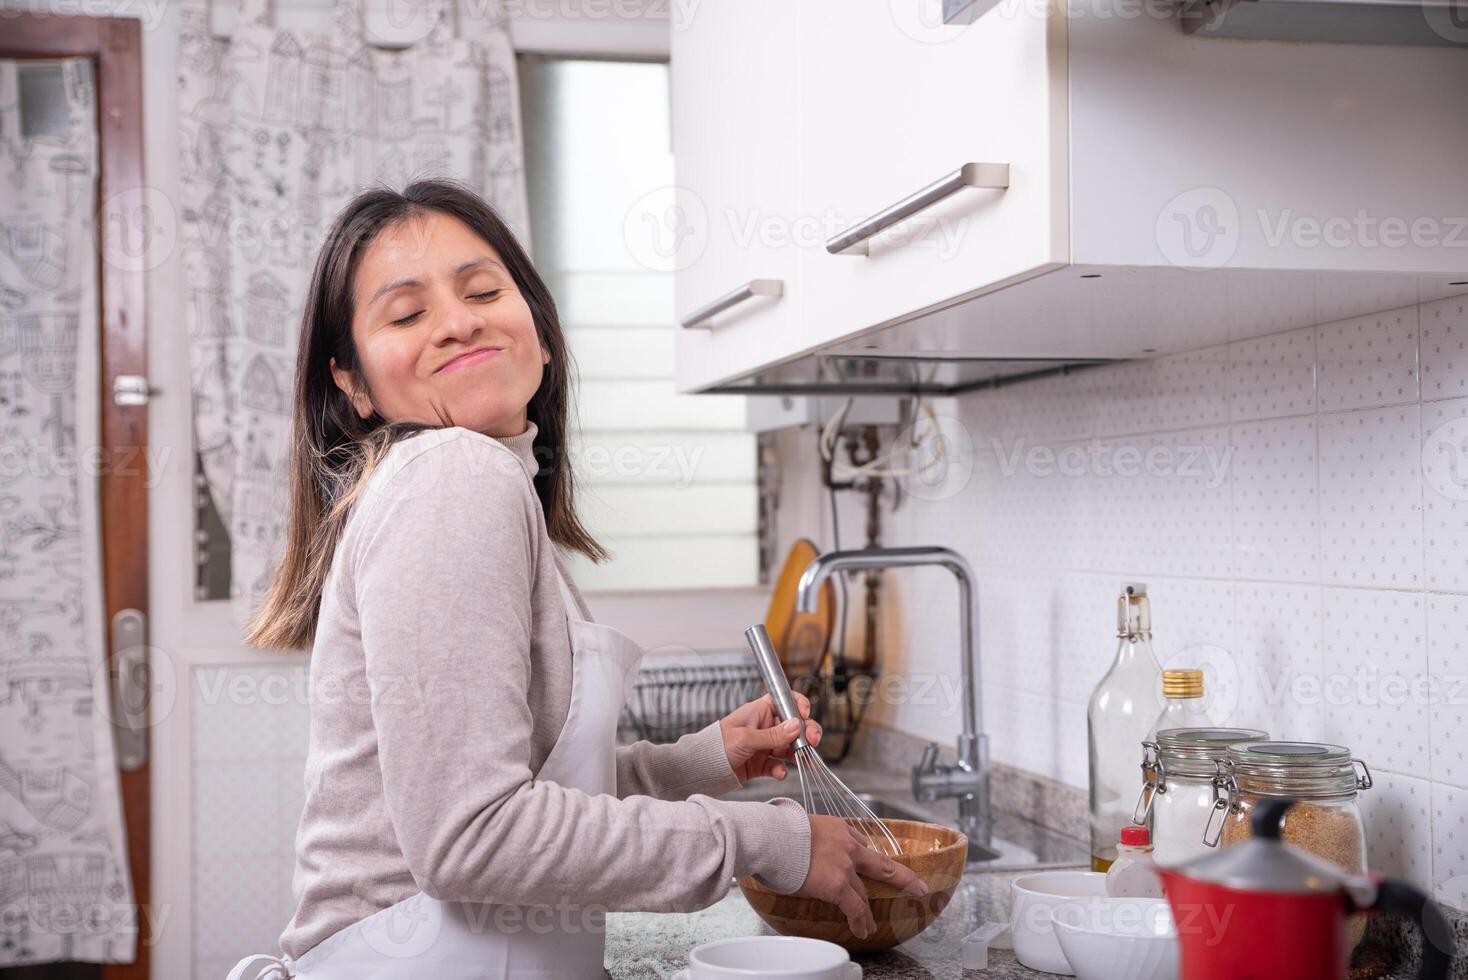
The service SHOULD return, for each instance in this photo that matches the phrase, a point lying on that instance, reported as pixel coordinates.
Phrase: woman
(468, 813)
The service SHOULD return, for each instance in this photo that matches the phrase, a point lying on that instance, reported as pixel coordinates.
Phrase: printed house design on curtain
(267, 310)
(283, 80)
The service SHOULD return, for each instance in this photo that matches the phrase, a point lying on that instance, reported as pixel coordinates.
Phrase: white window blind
(666, 482)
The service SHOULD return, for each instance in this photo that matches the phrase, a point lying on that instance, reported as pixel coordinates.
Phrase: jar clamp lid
(1185, 752)
(1296, 770)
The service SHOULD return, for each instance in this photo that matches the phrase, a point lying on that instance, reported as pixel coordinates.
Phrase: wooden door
(114, 46)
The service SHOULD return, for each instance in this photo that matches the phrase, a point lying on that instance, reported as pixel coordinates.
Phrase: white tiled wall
(1304, 535)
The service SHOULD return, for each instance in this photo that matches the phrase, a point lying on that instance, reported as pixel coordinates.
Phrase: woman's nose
(459, 320)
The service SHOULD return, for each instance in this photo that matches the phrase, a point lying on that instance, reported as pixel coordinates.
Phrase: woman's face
(437, 319)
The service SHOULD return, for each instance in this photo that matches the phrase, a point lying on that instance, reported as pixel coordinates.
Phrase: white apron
(421, 938)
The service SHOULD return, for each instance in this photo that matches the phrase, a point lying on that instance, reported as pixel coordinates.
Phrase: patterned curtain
(278, 131)
(65, 886)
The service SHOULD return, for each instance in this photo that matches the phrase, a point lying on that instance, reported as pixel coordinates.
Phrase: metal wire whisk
(821, 790)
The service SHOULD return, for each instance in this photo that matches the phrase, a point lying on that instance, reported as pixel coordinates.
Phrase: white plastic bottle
(1133, 874)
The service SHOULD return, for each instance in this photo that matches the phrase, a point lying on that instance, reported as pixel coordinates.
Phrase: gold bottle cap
(1133, 615)
(1179, 684)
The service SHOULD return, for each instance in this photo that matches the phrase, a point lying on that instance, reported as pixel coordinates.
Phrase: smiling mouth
(471, 358)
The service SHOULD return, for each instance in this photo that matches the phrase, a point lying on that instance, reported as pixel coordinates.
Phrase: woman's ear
(347, 382)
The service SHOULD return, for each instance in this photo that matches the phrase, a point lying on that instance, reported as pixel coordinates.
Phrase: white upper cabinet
(891, 106)
(735, 127)
(1136, 189)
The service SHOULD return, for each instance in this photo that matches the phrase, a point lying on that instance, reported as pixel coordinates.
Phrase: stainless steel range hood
(1430, 22)
(896, 374)
(1422, 22)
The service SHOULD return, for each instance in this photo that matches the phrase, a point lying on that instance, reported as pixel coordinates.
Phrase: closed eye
(404, 321)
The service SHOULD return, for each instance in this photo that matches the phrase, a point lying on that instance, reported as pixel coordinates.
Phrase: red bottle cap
(1135, 836)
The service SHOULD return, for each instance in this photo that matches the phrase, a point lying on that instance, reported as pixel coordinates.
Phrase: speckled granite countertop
(655, 945)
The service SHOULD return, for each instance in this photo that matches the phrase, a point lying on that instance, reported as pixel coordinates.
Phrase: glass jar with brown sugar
(1324, 782)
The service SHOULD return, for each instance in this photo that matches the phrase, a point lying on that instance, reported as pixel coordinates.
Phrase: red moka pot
(1264, 910)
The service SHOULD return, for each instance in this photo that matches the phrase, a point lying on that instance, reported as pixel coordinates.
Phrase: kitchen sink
(886, 809)
(1016, 844)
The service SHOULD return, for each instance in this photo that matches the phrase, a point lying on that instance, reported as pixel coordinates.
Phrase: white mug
(1030, 928)
(771, 958)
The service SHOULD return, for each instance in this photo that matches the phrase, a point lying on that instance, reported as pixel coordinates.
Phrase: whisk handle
(774, 675)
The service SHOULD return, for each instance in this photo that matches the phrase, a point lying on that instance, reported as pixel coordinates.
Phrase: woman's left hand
(756, 741)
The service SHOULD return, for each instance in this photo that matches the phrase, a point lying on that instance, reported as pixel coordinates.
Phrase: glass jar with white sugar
(1179, 799)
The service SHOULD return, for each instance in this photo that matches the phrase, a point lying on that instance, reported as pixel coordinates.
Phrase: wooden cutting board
(800, 638)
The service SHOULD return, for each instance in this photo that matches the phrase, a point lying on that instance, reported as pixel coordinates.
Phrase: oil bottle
(1122, 710)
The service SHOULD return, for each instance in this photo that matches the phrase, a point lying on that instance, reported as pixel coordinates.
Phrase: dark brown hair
(334, 450)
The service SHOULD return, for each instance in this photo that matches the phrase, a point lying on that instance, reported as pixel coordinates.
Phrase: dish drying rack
(673, 697)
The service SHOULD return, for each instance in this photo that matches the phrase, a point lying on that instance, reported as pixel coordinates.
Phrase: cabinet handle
(968, 175)
(755, 287)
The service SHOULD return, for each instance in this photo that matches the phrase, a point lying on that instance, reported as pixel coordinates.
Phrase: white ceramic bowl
(1033, 896)
(1118, 938)
(771, 958)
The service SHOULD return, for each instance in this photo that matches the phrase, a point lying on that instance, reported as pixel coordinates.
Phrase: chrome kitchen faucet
(967, 780)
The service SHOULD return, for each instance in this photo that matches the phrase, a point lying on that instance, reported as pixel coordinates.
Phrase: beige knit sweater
(440, 679)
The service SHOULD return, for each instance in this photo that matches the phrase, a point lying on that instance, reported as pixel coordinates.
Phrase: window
(666, 482)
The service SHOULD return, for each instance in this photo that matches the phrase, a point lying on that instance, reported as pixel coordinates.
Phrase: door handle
(853, 241)
(132, 685)
(751, 289)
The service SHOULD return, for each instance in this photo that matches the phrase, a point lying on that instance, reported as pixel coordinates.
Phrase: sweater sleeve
(443, 574)
(696, 763)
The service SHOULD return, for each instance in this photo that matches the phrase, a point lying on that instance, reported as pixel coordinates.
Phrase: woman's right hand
(838, 853)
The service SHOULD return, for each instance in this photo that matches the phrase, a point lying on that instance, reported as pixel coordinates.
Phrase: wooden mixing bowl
(936, 853)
